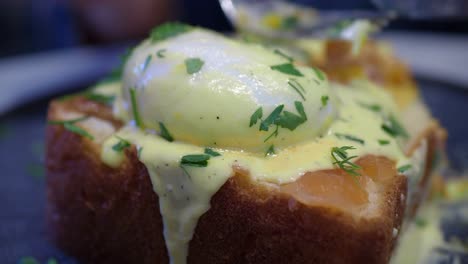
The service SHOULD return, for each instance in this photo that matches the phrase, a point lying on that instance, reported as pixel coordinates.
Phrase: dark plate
(22, 190)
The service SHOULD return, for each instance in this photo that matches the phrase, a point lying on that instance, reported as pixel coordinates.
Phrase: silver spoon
(284, 19)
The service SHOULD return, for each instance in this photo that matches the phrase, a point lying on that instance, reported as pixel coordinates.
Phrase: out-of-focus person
(117, 20)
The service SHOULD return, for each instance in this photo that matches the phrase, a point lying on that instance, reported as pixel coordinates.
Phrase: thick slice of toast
(104, 215)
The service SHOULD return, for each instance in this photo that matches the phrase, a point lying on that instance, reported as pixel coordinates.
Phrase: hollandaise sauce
(198, 104)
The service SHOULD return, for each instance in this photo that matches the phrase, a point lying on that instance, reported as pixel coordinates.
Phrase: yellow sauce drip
(184, 192)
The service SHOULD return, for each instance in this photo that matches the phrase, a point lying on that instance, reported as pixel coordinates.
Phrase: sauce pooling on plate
(199, 104)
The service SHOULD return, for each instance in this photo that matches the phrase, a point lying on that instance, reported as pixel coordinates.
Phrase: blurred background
(31, 26)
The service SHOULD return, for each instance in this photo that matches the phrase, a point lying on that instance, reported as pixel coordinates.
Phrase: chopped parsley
(420, 222)
(319, 73)
(324, 99)
(289, 22)
(211, 152)
(394, 128)
(77, 130)
(404, 168)
(270, 151)
(279, 118)
(384, 142)
(195, 160)
(336, 29)
(297, 87)
(343, 161)
(350, 137)
(258, 114)
(136, 114)
(160, 53)
(274, 134)
(92, 95)
(280, 53)
(287, 68)
(372, 107)
(100, 98)
(300, 110)
(168, 30)
(271, 119)
(193, 65)
(147, 62)
(165, 133)
(290, 120)
(70, 126)
(121, 145)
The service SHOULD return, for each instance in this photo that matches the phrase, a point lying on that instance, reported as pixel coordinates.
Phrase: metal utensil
(284, 19)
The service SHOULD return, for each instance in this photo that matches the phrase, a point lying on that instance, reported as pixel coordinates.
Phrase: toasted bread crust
(105, 215)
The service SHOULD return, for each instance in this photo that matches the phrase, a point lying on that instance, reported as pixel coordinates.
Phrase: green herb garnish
(342, 160)
(336, 29)
(136, 114)
(319, 73)
(280, 53)
(91, 95)
(287, 68)
(271, 119)
(384, 142)
(372, 107)
(70, 126)
(147, 62)
(165, 133)
(300, 110)
(258, 114)
(100, 98)
(193, 65)
(211, 152)
(270, 151)
(297, 87)
(168, 30)
(274, 134)
(279, 118)
(77, 130)
(289, 22)
(195, 160)
(290, 120)
(394, 128)
(324, 99)
(121, 145)
(420, 222)
(404, 168)
(160, 53)
(349, 137)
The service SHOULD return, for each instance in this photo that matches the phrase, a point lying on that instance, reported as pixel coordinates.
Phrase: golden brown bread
(104, 215)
